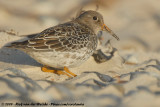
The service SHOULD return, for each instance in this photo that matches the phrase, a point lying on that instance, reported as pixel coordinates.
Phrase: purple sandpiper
(65, 45)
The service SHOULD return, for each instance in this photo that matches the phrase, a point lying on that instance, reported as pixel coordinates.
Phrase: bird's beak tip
(104, 27)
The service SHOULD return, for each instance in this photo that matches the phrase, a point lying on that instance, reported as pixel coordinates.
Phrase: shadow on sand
(15, 56)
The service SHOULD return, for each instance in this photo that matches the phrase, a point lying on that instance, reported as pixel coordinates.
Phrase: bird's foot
(59, 72)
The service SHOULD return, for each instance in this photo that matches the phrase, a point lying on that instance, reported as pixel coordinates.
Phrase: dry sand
(113, 83)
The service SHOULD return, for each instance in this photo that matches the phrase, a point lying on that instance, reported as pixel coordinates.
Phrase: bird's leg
(69, 72)
(59, 72)
(50, 69)
(47, 69)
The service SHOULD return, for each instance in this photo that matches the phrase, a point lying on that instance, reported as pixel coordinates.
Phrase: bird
(65, 45)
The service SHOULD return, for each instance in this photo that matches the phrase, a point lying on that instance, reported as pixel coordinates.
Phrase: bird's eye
(95, 18)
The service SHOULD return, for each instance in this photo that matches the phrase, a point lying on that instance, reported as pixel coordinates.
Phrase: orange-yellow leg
(69, 72)
(59, 72)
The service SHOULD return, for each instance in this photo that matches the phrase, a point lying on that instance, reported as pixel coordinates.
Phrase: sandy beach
(128, 76)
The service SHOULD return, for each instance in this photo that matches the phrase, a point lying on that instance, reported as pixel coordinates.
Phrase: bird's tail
(17, 44)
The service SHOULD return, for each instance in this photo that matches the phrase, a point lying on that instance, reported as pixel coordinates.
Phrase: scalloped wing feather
(66, 37)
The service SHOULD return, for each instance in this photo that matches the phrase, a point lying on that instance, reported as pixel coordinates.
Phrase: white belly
(61, 59)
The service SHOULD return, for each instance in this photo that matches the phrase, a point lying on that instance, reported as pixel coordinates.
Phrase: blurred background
(136, 22)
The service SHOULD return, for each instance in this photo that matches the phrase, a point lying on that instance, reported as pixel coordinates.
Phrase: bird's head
(95, 21)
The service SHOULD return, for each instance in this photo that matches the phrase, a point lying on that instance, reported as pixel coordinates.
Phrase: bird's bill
(104, 27)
